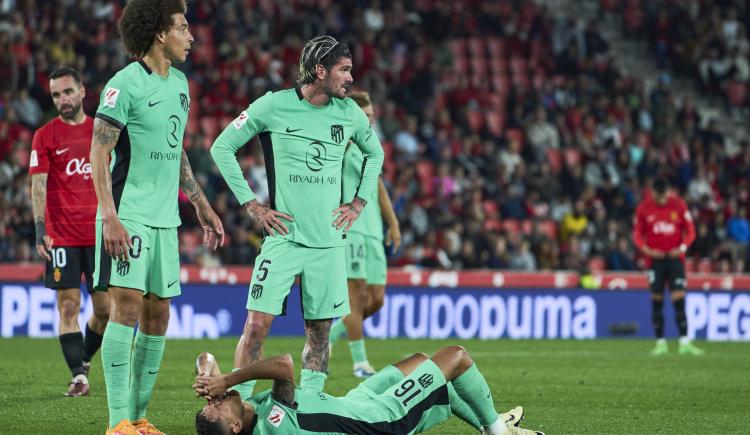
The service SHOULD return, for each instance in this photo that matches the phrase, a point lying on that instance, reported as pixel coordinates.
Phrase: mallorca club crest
(57, 274)
(337, 133)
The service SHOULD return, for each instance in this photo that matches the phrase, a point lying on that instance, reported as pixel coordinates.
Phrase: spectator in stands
(621, 257)
(542, 135)
(574, 222)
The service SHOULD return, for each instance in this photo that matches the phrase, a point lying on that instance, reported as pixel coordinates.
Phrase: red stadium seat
(511, 226)
(548, 228)
(498, 65)
(736, 93)
(518, 66)
(704, 265)
(457, 47)
(689, 264)
(490, 208)
(479, 65)
(461, 65)
(496, 47)
(209, 126)
(492, 225)
(500, 83)
(425, 170)
(515, 134)
(495, 120)
(476, 47)
(554, 158)
(597, 264)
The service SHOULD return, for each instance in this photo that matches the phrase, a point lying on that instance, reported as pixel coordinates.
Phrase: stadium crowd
(710, 43)
(511, 140)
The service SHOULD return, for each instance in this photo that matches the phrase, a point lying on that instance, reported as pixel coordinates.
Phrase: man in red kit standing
(64, 206)
(663, 231)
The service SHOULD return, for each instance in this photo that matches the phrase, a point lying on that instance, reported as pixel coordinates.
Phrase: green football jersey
(304, 149)
(152, 112)
(360, 411)
(370, 222)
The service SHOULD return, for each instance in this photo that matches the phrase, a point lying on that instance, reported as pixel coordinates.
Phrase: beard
(335, 92)
(70, 112)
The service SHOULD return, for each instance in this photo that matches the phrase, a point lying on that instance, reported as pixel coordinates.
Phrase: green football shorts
(422, 395)
(365, 259)
(153, 264)
(322, 279)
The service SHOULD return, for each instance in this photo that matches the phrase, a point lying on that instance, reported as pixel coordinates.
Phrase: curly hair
(142, 20)
(321, 50)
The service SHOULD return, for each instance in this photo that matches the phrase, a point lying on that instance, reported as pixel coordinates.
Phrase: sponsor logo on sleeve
(240, 120)
(34, 161)
(276, 416)
(110, 97)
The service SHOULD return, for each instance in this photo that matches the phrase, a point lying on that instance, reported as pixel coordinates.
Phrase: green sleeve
(115, 101)
(369, 143)
(253, 120)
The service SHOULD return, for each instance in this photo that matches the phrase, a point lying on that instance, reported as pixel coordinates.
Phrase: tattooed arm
(279, 368)
(315, 353)
(213, 231)
(116, 238)
(38, 204)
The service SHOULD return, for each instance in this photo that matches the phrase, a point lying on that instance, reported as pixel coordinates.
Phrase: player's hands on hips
(44, 248)
(268, 217)
(210, 387)
(213, 230)
(653, 253)
(393, 237)
(675, 253)
(117, 241)
(348, 213)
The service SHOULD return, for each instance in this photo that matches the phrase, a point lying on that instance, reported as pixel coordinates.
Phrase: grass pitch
(585, 387)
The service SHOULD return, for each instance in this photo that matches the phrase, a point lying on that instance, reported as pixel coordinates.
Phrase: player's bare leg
(71, 339)
(315, 355)
(95, 327)
(250, 346)
(358, 299)
(375, 299)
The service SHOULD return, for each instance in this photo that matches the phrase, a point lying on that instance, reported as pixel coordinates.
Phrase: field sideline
(586, 387)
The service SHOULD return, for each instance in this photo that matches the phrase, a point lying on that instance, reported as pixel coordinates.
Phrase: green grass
(592, 387)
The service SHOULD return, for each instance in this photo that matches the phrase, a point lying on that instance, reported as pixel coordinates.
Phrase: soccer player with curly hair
(140, 123)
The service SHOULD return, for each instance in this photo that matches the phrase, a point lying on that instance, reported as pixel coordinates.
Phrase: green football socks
(473, 389)
(245, 389)
(116, 352)
(338, 330)
(461, 409)
(312, 380)
(147, 355)
(357, 348)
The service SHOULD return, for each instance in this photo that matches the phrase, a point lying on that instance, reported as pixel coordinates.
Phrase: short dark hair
(321, 50)
(142, 20)
(204, 426)
(66, 71)
(661, 185)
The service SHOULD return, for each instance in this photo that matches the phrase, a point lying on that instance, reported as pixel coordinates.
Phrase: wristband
(683, 248)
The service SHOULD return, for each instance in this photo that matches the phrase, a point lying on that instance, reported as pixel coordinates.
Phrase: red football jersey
(663, 227)
(62, 151)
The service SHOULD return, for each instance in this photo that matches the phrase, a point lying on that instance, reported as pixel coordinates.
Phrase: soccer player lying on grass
(408, 397)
